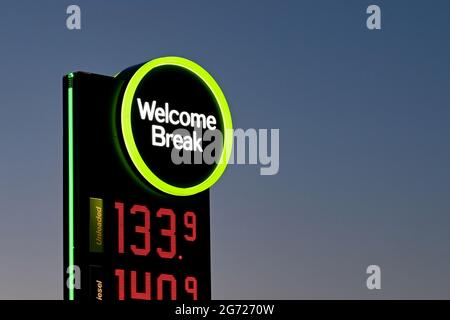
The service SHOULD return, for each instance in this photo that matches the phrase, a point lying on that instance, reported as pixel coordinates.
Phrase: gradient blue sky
(364, 123)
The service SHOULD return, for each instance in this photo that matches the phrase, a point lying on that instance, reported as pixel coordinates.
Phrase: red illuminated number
(168, 233)
(190, 221)
(145, 230)
(120, 244)
(140, 295)
(120, 274)
(160, 286)
(190, 285)
(164, 282)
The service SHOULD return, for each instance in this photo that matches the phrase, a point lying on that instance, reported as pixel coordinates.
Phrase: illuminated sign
(137, 223)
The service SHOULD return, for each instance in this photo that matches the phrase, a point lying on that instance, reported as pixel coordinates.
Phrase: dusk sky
(364, 119)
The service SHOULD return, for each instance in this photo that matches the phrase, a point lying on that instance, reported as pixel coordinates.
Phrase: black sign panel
(136, 225)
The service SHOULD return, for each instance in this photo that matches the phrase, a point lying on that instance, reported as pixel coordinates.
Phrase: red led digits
(168, 233)
(163, 282)
(140, 295)
(160, 286)
(120, 244)
(166, 284)
(120, 274)
(145, 230)
(190, 285)
(190, 221)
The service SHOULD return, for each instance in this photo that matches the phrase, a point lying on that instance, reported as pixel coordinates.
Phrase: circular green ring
(127, 131)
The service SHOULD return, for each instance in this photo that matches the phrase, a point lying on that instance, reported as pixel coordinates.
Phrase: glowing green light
(70, 160)
(128, 132)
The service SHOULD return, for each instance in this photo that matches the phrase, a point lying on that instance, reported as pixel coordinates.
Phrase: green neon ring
(127, 131)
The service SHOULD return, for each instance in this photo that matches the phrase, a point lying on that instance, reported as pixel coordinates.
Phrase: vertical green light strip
(71, 206)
